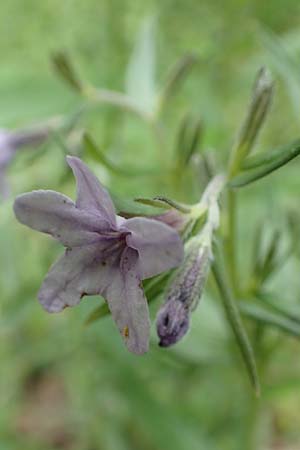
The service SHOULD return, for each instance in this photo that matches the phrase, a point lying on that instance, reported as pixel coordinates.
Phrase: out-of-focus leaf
(257, 248)
(189, 135)
(270, 259)
(235, 321)
(284, 62)
(175, 77)
(64, 67)
(95, 152)
(266, 317)
(257, 112)
(271, 302)
(98, 313)
(140, 77)
(265, 164)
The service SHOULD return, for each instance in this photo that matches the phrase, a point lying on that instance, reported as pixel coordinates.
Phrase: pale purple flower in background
(12, 141)
(105, 254)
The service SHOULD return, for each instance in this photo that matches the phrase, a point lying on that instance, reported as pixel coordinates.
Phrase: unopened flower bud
(184, 293)
(172, 323)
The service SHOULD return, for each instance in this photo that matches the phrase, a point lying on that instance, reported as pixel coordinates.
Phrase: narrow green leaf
(284, 62)
(153, 202)
(128, 208)
(185, 209)
(270, 257)
(268, 299)
(95, 153)
(257, 112)
(140, 76)
(176, 76)
(195, 136)
(268, 164)
(235, 321)
(257, 249)
(63, 66)
(283, 153)
(189, 135)
(268, 318)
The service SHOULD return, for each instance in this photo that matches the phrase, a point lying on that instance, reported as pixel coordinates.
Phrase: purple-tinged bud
(172, 323)
(183, 293)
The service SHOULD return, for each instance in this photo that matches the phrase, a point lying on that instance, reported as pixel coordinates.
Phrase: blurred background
(64, 385)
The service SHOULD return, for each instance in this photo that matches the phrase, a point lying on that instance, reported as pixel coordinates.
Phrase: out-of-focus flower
(105, 254)
(12, 141)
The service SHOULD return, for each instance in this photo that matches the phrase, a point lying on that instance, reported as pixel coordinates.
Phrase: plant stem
(236, 323)
(231, 240)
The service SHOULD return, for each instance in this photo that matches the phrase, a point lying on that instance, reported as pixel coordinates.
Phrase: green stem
(250, 436)
(231, 240)
(234, 318)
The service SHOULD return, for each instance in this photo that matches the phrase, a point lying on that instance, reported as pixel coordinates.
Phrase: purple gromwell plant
(105, 253)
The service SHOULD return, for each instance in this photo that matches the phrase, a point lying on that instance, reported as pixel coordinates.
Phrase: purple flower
(11, 142)
(105, 254)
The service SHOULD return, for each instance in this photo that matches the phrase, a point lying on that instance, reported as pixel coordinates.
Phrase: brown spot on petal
(126, 332)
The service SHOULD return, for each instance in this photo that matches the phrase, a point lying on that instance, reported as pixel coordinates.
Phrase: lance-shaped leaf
(152, 202)
(258, 108)
(189, 135)
(284, 62)
(97, 155)
(268, 318)
(236, 323)
(262, 165)
(291, 313)
(175, 77)
(64, 67)
(140, 76)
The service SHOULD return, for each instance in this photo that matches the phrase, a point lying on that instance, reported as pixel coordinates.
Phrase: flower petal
(159, 246)
(91, 195)
(128, 305)
(80, 271)
(86, 271)
(56, 214)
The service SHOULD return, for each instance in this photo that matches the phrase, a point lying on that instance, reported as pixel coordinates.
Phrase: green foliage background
(64, 385)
